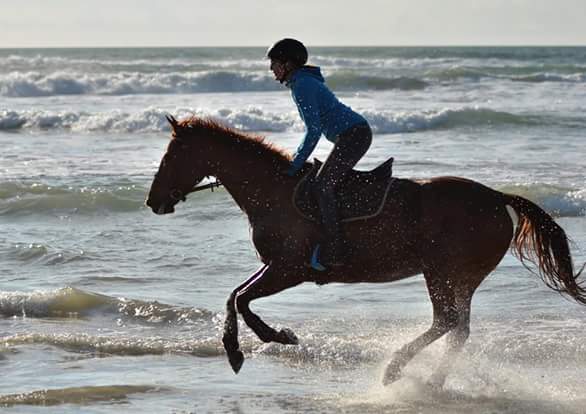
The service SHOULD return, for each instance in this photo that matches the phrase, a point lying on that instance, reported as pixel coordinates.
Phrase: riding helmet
(288, 50)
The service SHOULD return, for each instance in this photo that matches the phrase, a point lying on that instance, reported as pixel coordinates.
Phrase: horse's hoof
(236, 359)
(389, 379)
(392, 374)
(435, 387)
(286, 337)
(436, 382)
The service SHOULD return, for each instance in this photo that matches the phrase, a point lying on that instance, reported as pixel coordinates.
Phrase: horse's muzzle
(160, 208)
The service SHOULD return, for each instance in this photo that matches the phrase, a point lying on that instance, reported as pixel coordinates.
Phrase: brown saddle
(362, 195)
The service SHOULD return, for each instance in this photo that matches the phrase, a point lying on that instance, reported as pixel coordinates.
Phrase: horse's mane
(231, 136)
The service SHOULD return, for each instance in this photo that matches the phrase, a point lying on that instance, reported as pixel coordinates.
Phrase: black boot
(330, 253)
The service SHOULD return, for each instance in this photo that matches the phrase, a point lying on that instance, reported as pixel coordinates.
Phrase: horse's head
(180, 170)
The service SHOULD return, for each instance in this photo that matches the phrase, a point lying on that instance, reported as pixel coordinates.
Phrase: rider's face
(279, 69)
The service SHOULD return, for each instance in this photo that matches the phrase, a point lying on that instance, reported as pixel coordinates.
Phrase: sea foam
(73, 302)
(258, 119)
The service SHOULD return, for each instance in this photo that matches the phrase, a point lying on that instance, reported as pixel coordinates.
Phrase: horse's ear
(172, 121)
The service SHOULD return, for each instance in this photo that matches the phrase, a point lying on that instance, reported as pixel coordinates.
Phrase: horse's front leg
(268, 281)
(230, 338)
(272, 281)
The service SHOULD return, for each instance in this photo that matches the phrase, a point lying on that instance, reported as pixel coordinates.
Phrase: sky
(127, 23)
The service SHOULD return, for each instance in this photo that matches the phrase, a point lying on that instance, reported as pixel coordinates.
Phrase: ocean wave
(55, 303)
(534, 74)
(73, 302)
(557, 201)
(17, 198)
(388, 122)
(37, 84)
(552, 77)
(254, 118)
(76, 395)
(32, 84)
(44, 254)
(148, 120)
(14, 63)
(119, 345)
(350, 81)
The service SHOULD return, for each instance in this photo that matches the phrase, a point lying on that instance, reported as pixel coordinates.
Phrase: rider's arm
(305, 96)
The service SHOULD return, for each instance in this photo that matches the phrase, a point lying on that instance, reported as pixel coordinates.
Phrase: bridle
(178, 195)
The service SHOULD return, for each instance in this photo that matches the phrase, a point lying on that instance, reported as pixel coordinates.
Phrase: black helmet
(288, 50)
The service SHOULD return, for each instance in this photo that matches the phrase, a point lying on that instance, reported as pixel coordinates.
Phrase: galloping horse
(453, 230)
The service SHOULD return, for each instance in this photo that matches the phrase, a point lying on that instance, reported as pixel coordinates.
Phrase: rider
(323, 114)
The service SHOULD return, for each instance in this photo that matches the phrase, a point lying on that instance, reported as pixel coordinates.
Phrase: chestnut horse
(453, 230)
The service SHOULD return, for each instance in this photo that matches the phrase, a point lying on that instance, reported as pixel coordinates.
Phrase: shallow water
(106, 307)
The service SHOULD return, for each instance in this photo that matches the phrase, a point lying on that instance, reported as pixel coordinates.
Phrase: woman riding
(324, 114)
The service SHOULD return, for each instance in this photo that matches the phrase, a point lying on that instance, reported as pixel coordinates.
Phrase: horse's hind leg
(445, 318)
(455, 341)
(456, 338)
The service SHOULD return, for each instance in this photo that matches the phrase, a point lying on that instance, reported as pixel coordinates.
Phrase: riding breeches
(351, 145)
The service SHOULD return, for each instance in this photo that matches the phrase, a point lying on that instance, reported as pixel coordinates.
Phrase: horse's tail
(541, 241)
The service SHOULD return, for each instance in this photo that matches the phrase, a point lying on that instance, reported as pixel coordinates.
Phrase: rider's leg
(348, 150)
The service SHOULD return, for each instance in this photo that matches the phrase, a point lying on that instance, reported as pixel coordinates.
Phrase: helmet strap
(290, 67)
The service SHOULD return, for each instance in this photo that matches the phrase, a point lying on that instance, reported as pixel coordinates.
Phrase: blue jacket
(321, 111)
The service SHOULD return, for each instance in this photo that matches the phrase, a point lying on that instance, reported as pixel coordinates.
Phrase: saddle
(360, 196)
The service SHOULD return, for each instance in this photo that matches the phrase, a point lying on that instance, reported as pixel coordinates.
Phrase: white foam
(558, 201)
(30, 84)
(251, 118)
(16, 62)
(552, 77)
(57, 302)
(148, 120)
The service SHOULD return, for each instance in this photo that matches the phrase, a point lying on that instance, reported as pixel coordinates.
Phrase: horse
(452, 230)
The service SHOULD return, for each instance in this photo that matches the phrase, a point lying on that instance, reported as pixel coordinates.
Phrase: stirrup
(315, 264)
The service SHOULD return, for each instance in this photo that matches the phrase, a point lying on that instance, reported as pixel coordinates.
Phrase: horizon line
(309, 45)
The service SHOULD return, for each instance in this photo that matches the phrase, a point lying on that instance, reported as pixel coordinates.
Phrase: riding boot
(331, 252)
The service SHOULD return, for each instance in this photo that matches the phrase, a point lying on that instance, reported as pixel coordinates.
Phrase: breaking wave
(72, 302)
(562, 74)
(33, 84)
(76, 395)
(254, 118)
(25, 198)
(30, 84)
(556, 200)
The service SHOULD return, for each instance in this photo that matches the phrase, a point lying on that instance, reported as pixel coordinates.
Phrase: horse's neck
(253, 182)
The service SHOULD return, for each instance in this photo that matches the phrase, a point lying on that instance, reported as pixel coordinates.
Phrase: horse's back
(416, 201)
(458, 195)
(443, 221)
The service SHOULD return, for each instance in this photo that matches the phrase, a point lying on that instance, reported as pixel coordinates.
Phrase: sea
(106, 307)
